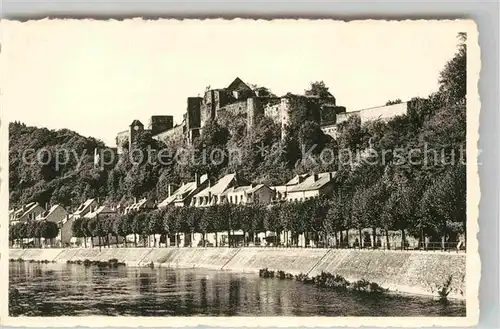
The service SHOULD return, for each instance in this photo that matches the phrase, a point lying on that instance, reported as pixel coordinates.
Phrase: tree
(319, 89)
(68, 184)
(400, 210)
(139, 225)
(123, 227)
(21, 233)
(255, 214)
(35, 231)
(444, 201)
(155, 224)
(204, 223)
(212, 220)
(79, 230)
(172, 222)
(190, 216)
(92, 229)
(263, 91)
(12, 233)
(106, 228)
(376, 196)
(111, 227)
(311, 137)
(213, 142)
(48, 230)
(359, 209)
(350, 134)
(396, 101)
(271, 221)
(318, 215)
(245, 219)
(453, 78)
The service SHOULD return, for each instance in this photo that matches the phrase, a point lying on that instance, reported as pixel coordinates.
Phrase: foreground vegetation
(112, 263)
(326, 280)
(33, 229)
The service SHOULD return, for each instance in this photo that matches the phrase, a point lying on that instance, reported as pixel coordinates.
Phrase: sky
(96, 77)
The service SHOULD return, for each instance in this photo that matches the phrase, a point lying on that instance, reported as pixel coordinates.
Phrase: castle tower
(284, 115)
(136, 128)
(193, 117)
(208, 107)
(254, 111)
(160, 123)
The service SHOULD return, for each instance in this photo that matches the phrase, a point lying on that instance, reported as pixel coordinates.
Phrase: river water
(75, 290)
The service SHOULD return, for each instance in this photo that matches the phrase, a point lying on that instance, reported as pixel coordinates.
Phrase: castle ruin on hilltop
(239, 99)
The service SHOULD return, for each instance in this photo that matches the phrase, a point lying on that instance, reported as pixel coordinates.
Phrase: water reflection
(61, 289)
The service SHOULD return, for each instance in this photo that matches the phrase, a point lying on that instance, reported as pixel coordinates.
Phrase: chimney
(135, 199)
(316, 176)
(196, 180)
(169, 189)
(331, 176)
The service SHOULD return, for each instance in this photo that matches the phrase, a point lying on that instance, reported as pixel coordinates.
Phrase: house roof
(137, 205)
(183, 191)
(100, 210)
(48, 212)
(248, 189)
(297, 179)
(141, 203)
(223, 184)
(180, 193)
(238, 84)
(84, 206)
(136, 123)
(309, 184)
(281, 188)
(23, 209)
(26, 209)
(258, 187)
(236, 189)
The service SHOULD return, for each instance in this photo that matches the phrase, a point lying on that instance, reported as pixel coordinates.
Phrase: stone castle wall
(282, 110)
(175, 134)
(122, 139)
(376, 113)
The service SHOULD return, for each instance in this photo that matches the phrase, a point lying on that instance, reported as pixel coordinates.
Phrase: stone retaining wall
(290, 260)
(404, 271)
(212, 258)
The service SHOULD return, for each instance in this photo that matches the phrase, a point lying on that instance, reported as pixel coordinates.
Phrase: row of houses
(237, 190)
(201, 192)
(91, 208)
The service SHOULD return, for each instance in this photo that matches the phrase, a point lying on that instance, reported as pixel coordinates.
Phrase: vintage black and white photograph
(227, 169)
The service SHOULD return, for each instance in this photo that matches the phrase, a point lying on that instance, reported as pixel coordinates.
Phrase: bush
(329, 280)
(445, 290)
(366, 286)
(265, 273)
